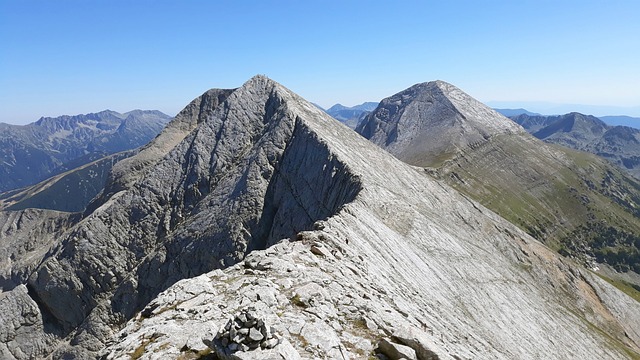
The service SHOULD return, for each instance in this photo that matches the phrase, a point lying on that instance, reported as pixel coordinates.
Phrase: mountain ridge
(570, 200)
(253, 199)
(34, 152)
(618, 144)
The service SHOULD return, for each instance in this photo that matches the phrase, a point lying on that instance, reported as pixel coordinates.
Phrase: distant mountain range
(515, 112)
(351, 116)
(618, 144)
(623, 120)
(31, 153)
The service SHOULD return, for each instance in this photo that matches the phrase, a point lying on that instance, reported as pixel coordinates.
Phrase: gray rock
(23, 334)
(311, 294)
(255, 335)
(396, 351)
(425, 348)
(25, 238)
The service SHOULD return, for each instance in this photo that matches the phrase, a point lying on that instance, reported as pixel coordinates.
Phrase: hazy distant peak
(336, 107)
(137, 112)
(515, 112)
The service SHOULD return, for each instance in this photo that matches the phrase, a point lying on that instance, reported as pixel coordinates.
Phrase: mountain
(250, 229)
(542, 107)
(50, 146)
(618, 144)
(515, 112)
(629, 121)
(424, 126)
(70, 191)
(351, 116)
(575, 202)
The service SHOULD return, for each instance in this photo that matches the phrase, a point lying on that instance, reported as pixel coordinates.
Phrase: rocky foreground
(253, 201)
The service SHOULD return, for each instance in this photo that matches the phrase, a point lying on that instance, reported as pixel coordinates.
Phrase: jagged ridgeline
(574, 202)
(253, 201)
(52, 146)
(618, 144)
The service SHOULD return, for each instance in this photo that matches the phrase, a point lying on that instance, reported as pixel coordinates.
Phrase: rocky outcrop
(26, 330)
(264, 205)
(25, 238)
(23, 333)
(429, 122)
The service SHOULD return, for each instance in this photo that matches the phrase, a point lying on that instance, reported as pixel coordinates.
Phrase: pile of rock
(244, 332)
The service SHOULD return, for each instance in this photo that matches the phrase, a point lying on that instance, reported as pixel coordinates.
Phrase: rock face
(618, 144)
(575, 202)
(254, 199)
(429, 122)
(25, 238)
(51, 146)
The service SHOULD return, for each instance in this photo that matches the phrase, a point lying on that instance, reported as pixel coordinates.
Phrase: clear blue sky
(73, 56)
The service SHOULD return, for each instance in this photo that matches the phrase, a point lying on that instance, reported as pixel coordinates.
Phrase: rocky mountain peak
(435, 111)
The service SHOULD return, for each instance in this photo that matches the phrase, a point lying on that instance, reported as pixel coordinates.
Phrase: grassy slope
(574, 202)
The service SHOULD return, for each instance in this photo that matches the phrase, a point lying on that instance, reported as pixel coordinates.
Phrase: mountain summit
(251, 229)
(574, 202)
(427, 122)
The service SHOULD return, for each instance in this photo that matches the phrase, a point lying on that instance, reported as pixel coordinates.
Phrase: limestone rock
(396, 351)
(25, 238)
(425, 348)
(22, 334)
